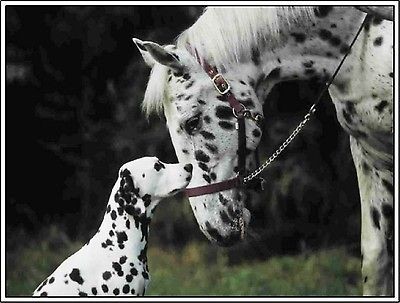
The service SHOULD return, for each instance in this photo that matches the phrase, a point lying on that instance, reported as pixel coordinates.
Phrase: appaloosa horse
(216, 123)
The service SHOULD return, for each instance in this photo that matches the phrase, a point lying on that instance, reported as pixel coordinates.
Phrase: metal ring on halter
(243, 110)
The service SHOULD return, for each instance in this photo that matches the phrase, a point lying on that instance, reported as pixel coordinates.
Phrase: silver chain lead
(283, 146)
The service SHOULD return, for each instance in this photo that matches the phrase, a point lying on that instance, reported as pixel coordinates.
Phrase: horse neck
(311, 49)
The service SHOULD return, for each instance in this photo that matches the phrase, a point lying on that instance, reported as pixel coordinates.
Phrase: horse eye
(192, 124)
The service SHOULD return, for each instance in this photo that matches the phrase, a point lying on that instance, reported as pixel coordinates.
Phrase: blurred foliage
(200, 269)
(74, 86)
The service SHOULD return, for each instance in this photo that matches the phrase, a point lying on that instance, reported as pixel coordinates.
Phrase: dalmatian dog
(114, 261)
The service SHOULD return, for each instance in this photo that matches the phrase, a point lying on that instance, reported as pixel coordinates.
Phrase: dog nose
(188, 168)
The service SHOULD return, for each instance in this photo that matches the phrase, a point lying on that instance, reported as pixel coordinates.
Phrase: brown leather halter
(241, 113)
(252, 181)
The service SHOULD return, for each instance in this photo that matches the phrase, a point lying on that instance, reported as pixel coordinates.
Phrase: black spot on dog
(75, 276)
(185, 151)
(132, 291)
(113, 215)
(299, 37)
(344, 49)
(133, 271)
(325, 34)
(51, 280)
(188, 97)
(83, 294)
(201, 156)
(129, 278)
(104, 288)
(207, 119)
(126, 289)
(116, 291)
(381, 106)
(158, 166)
(391, 75)
(376, 216)
(213, 176)
(146, 199)
(212, 148)
(117, 267)
(202, 102)
(106, 275)
(322, 11)
(378, 41)
(365, 279)
(224, 112)
(122, 260)
(108, 208)
(121, 237)
(365, 167)
(308, 64)
(226, 125)
(207, 135)
(190, 84)
(94, 291)
(333, 25)
(43, 294)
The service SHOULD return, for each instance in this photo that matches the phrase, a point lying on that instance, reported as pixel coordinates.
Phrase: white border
(199, 299)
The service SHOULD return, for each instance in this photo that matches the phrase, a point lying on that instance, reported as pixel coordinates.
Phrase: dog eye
(193, 124)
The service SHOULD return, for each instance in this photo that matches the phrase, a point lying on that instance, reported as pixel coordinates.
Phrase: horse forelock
(229, 35)
(226, 35)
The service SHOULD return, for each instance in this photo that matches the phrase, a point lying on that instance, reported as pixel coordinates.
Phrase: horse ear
(152, 52)
(148, 59)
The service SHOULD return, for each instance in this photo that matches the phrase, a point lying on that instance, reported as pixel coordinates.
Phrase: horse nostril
(188, 168)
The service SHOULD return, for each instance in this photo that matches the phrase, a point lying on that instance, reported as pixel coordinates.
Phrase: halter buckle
(221, 84)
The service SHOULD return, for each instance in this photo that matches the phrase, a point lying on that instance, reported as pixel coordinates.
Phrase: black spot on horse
(207, 178)
(226, 125)
(201, 156)
(224, 112)
(203, 166)
(388, 186)
(378, 41)
(381, 106)
(335, 41)
(212, 148)
(275, 73)
(347, 116)
(322, 11)
(207, 135)
(376, 216)
(75, 276)
(299, 37)
(324, 34)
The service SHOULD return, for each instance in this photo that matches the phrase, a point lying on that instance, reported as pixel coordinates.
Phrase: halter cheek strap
(240, 112)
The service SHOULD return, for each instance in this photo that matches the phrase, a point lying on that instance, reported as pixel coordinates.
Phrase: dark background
(75, 82)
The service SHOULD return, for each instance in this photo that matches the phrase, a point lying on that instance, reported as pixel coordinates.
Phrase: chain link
(282, 147)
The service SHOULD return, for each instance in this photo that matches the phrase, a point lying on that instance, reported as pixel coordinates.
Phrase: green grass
(200, 269)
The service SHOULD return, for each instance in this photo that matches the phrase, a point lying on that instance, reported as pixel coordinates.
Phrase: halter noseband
(240, 112)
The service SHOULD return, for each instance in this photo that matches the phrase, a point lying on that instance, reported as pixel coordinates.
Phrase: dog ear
(153, 52)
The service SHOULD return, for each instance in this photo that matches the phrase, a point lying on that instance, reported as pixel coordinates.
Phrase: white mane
(227, 35)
